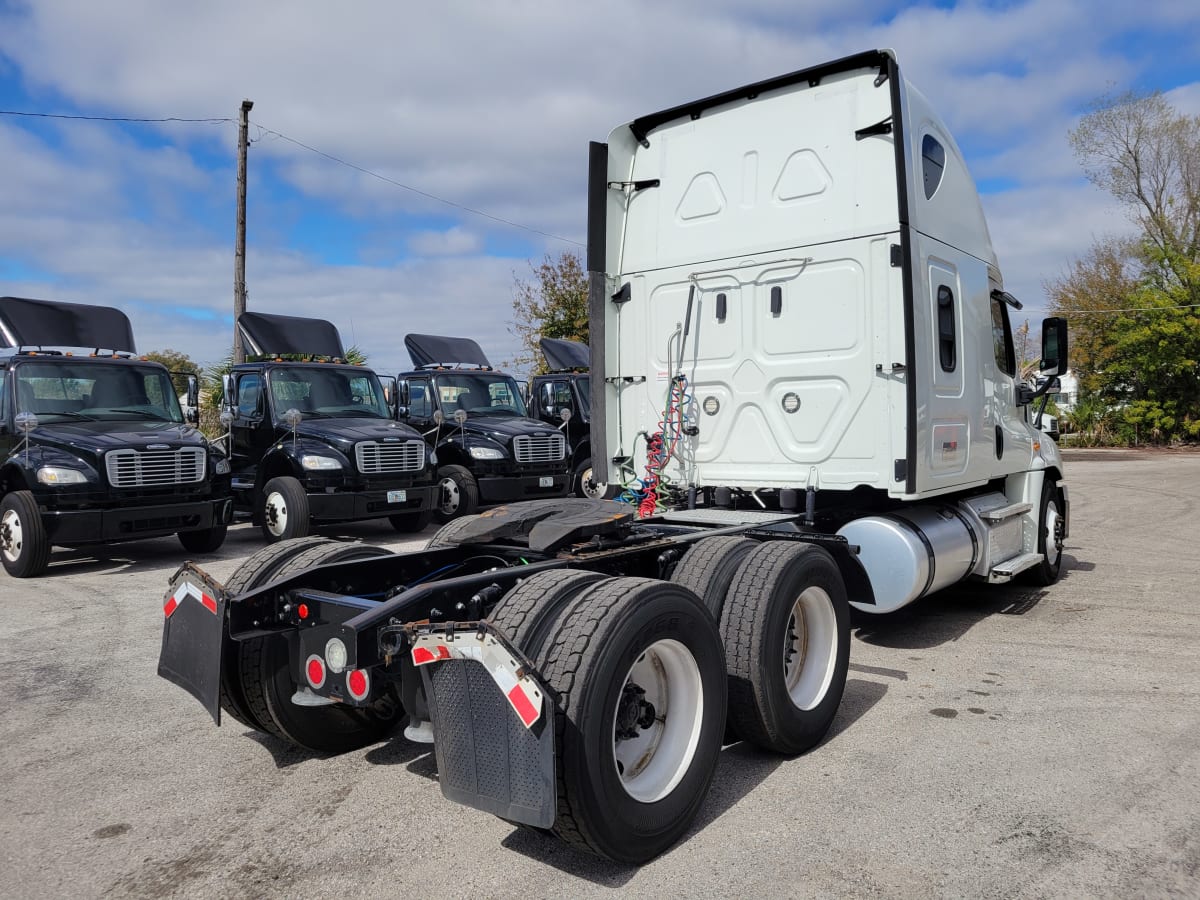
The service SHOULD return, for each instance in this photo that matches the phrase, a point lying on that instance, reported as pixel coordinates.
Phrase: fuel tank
(912, 552)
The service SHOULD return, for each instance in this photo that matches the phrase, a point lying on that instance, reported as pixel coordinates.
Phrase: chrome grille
(154, 468)
(374, 458)
(535, 448)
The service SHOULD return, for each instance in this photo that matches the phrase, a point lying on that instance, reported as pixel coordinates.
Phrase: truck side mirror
(389, 394)
(192, 413)
(1054, 346)
(227, 390)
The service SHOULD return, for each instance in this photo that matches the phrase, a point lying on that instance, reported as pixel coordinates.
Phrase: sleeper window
(933, 163)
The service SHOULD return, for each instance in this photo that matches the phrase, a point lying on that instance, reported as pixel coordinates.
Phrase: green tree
(176, 362)
(553, 303)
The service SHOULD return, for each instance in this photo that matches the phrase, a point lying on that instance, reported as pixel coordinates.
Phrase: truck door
(253, 431)
(7, 436)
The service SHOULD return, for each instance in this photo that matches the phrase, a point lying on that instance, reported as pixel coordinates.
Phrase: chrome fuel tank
(912, 552)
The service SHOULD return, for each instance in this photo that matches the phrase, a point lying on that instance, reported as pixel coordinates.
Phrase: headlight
(316, 463)
(222, 466)
(487, 453)
(60, 475)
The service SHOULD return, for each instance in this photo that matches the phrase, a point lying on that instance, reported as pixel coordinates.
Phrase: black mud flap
(193, 636)
(486, 757)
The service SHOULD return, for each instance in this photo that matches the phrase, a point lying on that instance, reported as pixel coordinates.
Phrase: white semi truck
(802, 368)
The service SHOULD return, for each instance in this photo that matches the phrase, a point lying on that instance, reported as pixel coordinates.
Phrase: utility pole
(239, 253)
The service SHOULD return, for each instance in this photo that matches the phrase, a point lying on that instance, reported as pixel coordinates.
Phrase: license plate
(546, 481)
(397, 496)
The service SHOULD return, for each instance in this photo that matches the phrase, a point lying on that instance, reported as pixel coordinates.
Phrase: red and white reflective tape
(523, 694)
(187, 589)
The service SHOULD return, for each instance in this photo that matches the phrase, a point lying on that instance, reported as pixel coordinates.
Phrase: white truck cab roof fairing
(835, 253)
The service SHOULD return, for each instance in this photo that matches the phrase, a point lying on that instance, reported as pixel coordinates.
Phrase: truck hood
(96, 438)
(345, 432)
(501, 429)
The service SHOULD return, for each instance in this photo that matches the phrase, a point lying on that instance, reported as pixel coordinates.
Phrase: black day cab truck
(314, 440)
(484, 445)
(802, 364)
(94, 447)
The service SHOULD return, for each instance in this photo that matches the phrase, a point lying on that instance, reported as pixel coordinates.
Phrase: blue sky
(490, 106)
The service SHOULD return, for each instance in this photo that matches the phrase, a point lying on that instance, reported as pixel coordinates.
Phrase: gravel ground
(993, 742)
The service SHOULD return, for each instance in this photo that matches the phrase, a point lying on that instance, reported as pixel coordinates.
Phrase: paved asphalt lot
(993, 742)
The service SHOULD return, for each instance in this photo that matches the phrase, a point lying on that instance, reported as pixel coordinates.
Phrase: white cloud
(489, 106)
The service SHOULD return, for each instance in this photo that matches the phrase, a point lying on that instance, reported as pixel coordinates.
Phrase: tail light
(314, 670)
(358, 684)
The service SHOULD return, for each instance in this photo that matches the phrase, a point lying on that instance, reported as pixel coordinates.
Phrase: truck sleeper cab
(317, 442)
(94, 448)
(487, 448)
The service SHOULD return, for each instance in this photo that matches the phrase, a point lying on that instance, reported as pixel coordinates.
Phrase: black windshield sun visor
(564, 356)
(49, 323)
(268, 334)
(439, 350)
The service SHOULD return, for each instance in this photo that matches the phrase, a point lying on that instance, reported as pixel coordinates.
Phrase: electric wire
(41, 115)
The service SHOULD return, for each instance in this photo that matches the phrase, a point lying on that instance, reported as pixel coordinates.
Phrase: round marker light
(335, 655)
(791, 402)
(314, 670)
(358, 684)
(710, 406)
(302, 610)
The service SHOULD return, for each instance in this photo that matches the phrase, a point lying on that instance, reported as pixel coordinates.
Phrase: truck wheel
(637, 671)
(709, 566)
(527, 613)
(411, 523)
(587, 487)
(786, 626)
(206, 541)
(285, 509)
(24, 546)
(269, 683)
(445, 536)
(1049, 543)
(256, 571)
(458, 493)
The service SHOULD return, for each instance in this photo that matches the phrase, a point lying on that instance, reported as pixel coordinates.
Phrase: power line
(1098, 312)
(407, 187)
(41, 115)
(291, 140)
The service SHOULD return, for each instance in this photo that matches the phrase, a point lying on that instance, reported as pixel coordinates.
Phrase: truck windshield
(326, 391)
(59, 389)
(479, 393)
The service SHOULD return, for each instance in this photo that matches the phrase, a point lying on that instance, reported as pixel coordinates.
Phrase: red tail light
(358, 684)
(314, 669)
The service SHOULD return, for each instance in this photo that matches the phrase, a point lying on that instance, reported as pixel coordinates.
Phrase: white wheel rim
(810, 645)
(11, 536)
(1053, 547)
(276, 513)
(450, 496)
(651, 763)
(592, 489)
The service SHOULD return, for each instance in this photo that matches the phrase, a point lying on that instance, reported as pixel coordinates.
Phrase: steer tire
(618, 631)
(269, 681)
(256, 571)
(284, 509)
(24, 545)
(709, 566)
(445, 536)
(1049, 543)
(527, 613)
(772, 703)
(208, 540)
(457, 494)
(413, 522)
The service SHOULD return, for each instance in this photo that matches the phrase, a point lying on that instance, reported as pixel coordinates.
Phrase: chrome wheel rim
(592, 489)
(810, 646)
(12, 538)
(451, 496)
(275, 512)
(657, 721)
(1053, 538)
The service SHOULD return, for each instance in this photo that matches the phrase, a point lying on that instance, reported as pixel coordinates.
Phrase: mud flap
(193, 636)
(493, 754)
